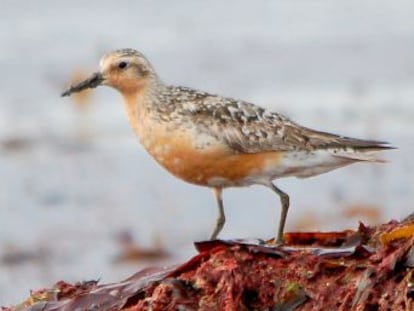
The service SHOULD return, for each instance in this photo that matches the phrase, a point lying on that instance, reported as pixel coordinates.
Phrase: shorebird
(221, 142)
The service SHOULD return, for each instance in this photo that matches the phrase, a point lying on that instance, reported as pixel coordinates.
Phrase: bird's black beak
(93, 81)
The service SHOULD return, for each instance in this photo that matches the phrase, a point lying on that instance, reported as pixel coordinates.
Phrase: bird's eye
(122, 65)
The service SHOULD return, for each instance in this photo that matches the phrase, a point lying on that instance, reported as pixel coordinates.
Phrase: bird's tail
(358, 155)
(347, 147)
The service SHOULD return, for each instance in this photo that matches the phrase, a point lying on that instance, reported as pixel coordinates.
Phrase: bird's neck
(144, 103)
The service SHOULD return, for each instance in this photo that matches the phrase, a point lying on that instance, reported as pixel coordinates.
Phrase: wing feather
(248, 128)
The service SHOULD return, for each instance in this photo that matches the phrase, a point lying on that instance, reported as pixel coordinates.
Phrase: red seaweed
(367, 269)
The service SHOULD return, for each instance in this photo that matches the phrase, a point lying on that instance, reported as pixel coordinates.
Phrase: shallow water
(72, 179)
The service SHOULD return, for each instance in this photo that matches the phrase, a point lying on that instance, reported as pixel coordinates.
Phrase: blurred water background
(74, 178)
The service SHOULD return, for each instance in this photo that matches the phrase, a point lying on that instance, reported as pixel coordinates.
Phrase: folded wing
(248, 128)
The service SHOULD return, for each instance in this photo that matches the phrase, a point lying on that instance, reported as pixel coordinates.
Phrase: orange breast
(193, 156)
(215, 168)
(214, 165)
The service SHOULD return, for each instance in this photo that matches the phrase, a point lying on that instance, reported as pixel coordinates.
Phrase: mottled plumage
(246, 127)
(220, 142)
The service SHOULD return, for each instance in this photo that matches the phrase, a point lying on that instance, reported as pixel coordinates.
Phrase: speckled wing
(248, 128)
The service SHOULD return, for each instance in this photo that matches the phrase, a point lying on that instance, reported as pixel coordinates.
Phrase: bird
(220, 142)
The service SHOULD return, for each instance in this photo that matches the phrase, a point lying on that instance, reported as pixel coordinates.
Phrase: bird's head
(126, 70)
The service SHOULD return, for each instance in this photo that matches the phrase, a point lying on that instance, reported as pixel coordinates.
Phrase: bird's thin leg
(221, 219)
(284, 200)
